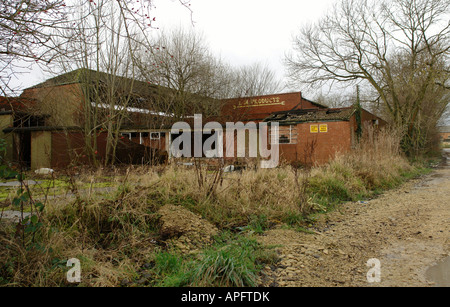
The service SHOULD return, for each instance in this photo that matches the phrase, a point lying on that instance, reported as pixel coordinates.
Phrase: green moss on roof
(311, 115)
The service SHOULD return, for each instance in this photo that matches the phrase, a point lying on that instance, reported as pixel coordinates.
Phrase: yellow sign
(314, 129)
(260, 102)
(323, 128)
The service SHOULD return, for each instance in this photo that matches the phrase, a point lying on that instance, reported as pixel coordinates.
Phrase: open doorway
(22, 146)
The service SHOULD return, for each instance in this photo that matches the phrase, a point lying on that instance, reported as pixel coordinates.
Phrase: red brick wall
(151, 143)
(327, 144)
(445, 135)
(15, 103)
(317, 148)
(63, 103)
(70, 149)
(369, 118)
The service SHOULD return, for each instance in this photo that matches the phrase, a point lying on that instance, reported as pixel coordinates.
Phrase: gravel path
(407, 230)
(13, 216)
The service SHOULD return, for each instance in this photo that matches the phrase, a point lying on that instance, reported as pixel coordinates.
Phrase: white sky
(240, 31)
(243, 32)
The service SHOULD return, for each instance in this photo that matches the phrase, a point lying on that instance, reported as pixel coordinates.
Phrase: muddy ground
(407, 230)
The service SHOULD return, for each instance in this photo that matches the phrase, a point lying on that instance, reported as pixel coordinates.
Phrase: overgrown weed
(116, 232)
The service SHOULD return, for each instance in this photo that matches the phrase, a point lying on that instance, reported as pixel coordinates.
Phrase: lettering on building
(259, 102)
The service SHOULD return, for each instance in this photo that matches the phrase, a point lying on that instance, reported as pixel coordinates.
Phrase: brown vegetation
(123, 236)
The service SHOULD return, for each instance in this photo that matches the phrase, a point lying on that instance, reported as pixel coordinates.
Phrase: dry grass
(375, 164)
(115, 234)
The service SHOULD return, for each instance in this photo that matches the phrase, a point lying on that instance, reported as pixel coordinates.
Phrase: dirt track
(407, 230)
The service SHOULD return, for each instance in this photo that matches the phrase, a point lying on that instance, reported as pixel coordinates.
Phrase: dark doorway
(23, 149)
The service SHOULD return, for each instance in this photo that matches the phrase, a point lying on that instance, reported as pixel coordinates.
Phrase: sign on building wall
(323, 128)
(260, 102)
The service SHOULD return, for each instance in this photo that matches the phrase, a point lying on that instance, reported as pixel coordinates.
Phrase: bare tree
(182, 62)
(334, 100)
(103, 52)
(91, 36)
(445, 119)
(191, 78)
(396, 49)
(254, 80)
(26, 35)
(35, 31)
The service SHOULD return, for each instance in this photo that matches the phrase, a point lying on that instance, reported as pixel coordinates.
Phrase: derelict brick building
(43, 127)
(304, 124)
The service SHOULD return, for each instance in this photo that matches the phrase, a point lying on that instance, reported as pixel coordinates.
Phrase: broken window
(28, 121)
(284, 139)
(286, 134)
(155, 135)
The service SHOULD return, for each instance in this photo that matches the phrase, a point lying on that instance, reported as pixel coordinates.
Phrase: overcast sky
(240, 31)
(244, 31)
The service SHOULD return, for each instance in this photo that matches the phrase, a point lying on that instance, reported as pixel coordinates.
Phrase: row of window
(143, 135)
(29, 121)
(287, 135)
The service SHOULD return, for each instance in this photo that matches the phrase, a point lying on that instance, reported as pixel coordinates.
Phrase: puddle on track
(440, 273)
